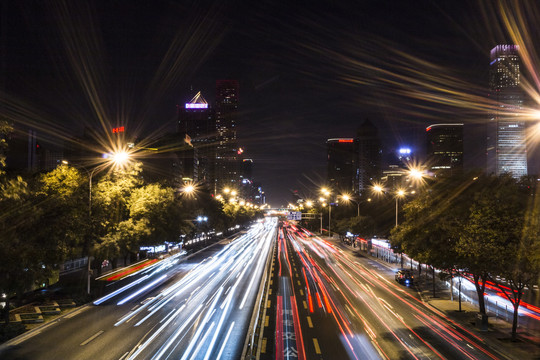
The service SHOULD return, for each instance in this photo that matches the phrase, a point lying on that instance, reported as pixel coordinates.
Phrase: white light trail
(114, 293)
(195, 337)
(225, 341)
(126, 299)
(220, 324)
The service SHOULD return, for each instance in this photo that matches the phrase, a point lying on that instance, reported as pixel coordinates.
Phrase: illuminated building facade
(445, 148)
(506, 146)
(342, 165)
(369, 156)
(228, 153)
(197, 120)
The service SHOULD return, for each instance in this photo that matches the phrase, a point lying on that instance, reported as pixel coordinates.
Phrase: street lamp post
(118, 158)
(348, 198)
(398, 194)
(91, 174)
(327, 192)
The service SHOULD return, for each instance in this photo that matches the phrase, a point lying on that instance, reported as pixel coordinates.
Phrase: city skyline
(319, 73)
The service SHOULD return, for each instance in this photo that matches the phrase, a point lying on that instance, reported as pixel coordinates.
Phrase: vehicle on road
(404, 276)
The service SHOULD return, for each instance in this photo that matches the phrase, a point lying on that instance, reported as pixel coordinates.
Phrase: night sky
(308, 71)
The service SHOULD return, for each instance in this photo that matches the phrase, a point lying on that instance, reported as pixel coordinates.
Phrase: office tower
(228, 152)
(445, 148)
(369, 155)
(197, 121)
(342, 165)
(506, 149)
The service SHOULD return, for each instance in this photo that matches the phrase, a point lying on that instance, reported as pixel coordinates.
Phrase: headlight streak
(225, 341)
(122, 289)
(171, 340)
(162, 327)
(202, 341)
(254, 273)
(133, 313)
(224, 313)
(195, 337)
(234, 261)
(124, 300)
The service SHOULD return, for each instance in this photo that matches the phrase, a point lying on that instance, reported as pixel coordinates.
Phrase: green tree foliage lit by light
(25, 258)
(62, 198)
(485, 226)
(46, 219)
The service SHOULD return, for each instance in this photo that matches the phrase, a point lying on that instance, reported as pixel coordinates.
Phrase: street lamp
(348, 198)
(327, 192)
(117, 159)
(399, 193)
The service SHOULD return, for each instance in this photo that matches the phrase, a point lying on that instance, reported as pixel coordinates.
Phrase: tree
(24, 261)
(110, 211)
(502, 235)
(63, 199)
(433, 223)
(495, 221)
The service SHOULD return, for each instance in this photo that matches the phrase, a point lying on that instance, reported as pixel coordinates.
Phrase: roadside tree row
(486, 227)
(48, 218)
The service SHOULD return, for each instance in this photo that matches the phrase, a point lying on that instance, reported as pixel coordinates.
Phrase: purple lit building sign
(196, 106)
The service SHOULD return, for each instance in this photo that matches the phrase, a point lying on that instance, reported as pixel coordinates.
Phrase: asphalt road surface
(197, 309)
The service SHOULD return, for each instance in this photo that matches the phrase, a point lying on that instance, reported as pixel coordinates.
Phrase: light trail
(119, 291)
(225, 341)
(140, 291)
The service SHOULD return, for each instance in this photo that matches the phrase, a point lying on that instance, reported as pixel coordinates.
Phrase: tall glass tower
(228, 152)
(445, 148)
(506, 145)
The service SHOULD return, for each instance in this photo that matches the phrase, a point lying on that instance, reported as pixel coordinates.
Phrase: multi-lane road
(197, 309)
(333, 304)
(321, 301)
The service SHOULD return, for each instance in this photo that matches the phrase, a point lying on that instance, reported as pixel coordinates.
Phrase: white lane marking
(76, 312)
(92, 337)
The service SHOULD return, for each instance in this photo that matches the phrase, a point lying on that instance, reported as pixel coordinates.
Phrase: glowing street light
(120, 158)
(327, 192)
(399, 193)
(348, 198)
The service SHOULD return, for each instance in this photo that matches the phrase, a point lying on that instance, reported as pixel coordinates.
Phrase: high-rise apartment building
(369, 156)
(506, 145)
(445, 148)
(342, 165)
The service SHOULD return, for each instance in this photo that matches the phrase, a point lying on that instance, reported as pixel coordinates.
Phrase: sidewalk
(498, 335)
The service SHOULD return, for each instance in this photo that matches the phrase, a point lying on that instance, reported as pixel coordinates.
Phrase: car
(404, 276)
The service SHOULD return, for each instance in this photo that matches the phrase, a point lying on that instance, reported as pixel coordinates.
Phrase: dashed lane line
(317, 347)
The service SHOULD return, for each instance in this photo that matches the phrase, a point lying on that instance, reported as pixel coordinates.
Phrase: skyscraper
(197, 120)
(342, 165)
(369, 155)
(445, 148)
(227, 162)
(506, 149)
